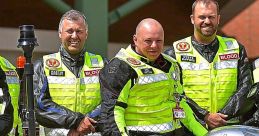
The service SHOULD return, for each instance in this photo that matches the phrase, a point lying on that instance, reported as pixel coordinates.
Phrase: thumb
(92, 120)
(223, 115)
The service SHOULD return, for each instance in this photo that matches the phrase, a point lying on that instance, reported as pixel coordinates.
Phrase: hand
(74, 132)
(85, 126)
(214, 120)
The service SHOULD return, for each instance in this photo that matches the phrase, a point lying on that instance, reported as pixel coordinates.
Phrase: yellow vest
(209, 84)
(151, 100)
(77, 94)
(12, 80)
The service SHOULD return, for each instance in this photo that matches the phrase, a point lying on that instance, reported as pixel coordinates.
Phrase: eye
(70, 31)
(148, 42)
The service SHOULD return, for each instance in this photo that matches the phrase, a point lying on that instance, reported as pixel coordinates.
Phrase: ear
(59, 34)
(192, 20)
(218, 19)
(134, 39)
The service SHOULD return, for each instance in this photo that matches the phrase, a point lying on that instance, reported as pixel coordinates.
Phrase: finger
(223, 115)
(92, 120)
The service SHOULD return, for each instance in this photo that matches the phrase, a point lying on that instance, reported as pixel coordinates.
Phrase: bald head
(147, 24)
(149, 38)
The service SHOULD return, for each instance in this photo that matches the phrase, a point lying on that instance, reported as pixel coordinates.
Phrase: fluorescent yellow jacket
(77, 94)
(151, 99)
(12, 80)
(209, 84)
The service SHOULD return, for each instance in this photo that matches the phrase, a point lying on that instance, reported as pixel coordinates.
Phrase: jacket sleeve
(6, 117)
(238, 103)
(113, 78)
(199, 111)
(190, 121)
(48, 113)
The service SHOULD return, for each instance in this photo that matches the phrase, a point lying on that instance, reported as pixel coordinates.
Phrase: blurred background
(112, 23)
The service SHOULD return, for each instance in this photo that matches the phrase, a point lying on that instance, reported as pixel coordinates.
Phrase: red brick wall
(245, 28)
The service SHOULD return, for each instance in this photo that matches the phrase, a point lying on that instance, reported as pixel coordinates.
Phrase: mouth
(73, 42)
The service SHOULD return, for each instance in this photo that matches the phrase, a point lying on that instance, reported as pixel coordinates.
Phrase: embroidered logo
(183, 46)
(52, 62)
(133, 61)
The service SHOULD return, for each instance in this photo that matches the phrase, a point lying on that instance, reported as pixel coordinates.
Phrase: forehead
(205, 8)
(73, 24)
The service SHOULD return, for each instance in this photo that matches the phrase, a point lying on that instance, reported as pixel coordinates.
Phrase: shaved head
(147, 23)
(149, 38)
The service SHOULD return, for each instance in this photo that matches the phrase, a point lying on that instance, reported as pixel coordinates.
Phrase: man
(6, 108)
(215, 69)
(140, 89)
(67, 83)
(12, 81)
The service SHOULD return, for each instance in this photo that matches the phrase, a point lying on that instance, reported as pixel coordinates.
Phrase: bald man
(141, 91)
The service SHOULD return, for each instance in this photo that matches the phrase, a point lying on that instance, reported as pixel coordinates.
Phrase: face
(73, 35)
(205, 19)
(149, 41)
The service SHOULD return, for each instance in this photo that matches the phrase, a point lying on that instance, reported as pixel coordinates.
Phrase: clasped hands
(85, 127)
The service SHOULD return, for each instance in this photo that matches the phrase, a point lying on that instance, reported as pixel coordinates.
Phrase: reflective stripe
(152, 78)
(204, 66)
(61, 80)
(70, 81)
(153, 128)
(12, 80)
(90, 80)
(194, 66)
(2, 105)
(226, 64)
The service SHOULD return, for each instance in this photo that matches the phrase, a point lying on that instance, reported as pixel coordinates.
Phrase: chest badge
(183, 46)
(231, 56)
(92, 73)
(52, 63)
(133, 61)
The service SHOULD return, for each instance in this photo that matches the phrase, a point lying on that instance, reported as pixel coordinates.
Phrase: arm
(190, 121)
(239, 103)
(49, 113)
(114, 78)
(6, 117)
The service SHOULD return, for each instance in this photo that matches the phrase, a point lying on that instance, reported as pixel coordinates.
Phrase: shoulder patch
(183, 46)
(133, 61)
(52, 63)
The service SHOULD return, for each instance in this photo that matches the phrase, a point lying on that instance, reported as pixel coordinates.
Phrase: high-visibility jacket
(12, 80)
(77, 94)
(209, 84)
(151, 99)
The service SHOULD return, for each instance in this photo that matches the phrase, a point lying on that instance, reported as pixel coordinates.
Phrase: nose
(207, 21)
(154, 44)
(74, 34)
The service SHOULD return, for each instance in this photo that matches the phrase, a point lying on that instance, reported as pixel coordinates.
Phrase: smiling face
(73, 35)
(205, 19)
(149, 39)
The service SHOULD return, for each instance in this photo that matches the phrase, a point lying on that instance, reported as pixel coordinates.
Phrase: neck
(204, 40)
